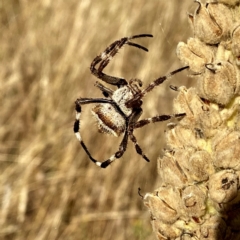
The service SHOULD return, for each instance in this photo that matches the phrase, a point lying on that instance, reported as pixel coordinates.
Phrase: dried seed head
(194, 201)
(195, 54)
(170, 171)
(223, 186)
(224, 52)
(165, 231)
(165, 204)
(198, 166)
(182, 137)
(202, 163)
(219, 83)
(226, 148)
(190, 103)
(211, 22)
(199, 114)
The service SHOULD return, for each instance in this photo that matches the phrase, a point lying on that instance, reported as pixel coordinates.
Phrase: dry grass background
(48, 187)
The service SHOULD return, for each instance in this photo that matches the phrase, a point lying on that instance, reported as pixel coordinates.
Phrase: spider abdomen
(109, 119)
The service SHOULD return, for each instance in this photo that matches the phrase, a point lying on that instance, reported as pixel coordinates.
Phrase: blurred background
(49, 189)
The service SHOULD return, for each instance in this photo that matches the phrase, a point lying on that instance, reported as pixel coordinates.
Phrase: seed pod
(182, 137)
(194, 201)
(226, 148)
(199, 114)
(211, 22)
(218, 83)
(170, 172)
(223, 186)
(165, 231)
(195, 54)
(200, 166)
(165, 204)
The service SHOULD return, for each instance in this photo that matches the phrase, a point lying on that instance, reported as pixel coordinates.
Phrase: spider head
(135, 102)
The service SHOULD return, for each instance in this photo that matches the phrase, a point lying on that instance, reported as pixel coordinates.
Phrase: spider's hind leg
(76, 129)
(137, 147)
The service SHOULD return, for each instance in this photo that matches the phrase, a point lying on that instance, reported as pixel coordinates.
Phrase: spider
(118, 113)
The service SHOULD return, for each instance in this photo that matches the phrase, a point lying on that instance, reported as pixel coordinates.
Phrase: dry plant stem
(199, 194)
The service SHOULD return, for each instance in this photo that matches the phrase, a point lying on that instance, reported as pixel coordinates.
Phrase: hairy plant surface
(48, 187)
(199, 194)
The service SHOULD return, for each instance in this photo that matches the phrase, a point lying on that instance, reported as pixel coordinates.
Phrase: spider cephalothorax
(119, 111)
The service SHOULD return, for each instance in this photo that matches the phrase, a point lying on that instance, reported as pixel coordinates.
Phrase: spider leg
(107, 92)
(160, 118)
(78, 108)
(104, 58)
(137, 147)
(83, 101)
(152, 85)
(76, 129)
(118, 154)
(144, 122)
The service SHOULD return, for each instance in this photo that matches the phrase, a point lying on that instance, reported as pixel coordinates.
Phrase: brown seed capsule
(170, 171)
(182, 137)
(199, 114)
(195, 54)
(223, 186)
(194, 201)
(165, 204)
(190, 103)
(226, 148)
(211, 22)
(224, 52)
(165, 231)
(218, 83)
(198, 166)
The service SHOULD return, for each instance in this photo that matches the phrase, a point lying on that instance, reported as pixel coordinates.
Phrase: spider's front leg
(152, 85)
(155, 119)
(104, 58)
(132, 120)
(107, 92)
(137, 146)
